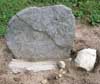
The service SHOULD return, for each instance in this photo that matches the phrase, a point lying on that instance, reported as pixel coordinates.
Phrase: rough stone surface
(17, 66)
(40, 33)
(86, 59)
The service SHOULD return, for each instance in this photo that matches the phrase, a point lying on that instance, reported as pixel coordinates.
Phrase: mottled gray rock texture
(41, 33)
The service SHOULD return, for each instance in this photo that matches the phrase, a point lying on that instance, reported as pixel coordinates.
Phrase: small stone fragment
(61, 65)
(86, 59)
(60, 75)
(62, 71)
(45, 81)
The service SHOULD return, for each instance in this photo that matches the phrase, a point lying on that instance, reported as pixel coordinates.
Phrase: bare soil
(86, 37)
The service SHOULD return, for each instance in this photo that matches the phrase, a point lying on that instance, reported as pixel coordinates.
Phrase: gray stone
(41, 33)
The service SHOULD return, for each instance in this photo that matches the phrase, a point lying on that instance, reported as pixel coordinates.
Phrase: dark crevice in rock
(44, 32)
(10, 52)
(97, 62)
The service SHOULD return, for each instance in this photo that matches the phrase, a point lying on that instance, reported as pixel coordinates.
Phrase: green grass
(85, 10)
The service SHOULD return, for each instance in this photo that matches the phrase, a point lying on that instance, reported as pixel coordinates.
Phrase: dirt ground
(85, 37)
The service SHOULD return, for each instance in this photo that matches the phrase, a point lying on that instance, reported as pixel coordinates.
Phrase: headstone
(41, 33)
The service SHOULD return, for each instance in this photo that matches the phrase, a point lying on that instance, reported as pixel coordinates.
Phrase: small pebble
(59, 75)
(44, 81)
(61, 65)
(62, 71)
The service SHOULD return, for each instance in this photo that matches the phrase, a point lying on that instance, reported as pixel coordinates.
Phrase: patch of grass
(85, 10)
(2, 30)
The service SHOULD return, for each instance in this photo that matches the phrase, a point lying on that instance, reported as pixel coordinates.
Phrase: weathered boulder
(40, 33)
